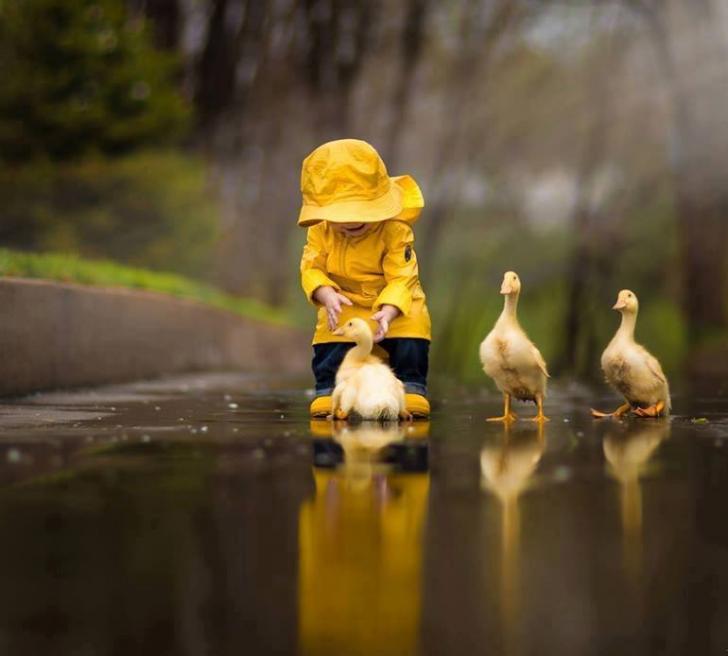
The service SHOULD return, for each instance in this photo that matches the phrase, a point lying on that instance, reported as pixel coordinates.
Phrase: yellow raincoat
(376, 268)
(346, 181)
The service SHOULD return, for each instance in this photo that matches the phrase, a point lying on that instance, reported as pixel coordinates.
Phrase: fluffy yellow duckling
(631, 369)
(511, 359)
(364, 384)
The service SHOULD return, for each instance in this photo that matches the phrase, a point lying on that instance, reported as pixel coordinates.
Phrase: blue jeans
(408, 357)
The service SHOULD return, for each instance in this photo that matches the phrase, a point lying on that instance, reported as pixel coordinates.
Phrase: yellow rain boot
(417, 405)
(321, 406)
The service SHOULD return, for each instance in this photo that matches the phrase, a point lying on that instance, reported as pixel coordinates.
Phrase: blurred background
(582, 144)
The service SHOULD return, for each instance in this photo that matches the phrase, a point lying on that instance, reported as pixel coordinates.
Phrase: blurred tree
(231, 56)
(166, 19)
(82, 76)
(273, 79)
(338, 41)
(410, 53)
(251, 47)
(683, 34)
(593, 240)
(481, 28)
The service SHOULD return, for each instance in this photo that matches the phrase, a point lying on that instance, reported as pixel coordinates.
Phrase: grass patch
(102, 273)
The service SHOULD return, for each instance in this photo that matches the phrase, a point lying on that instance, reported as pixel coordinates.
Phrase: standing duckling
(511, 359)
(631, 369)
(364, 384)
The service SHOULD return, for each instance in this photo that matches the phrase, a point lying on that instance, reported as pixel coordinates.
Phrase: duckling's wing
(539, 360)
(653, 364)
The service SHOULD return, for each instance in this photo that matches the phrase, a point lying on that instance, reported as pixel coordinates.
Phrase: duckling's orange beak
(619, 305)
(506, 288)
(339, 332)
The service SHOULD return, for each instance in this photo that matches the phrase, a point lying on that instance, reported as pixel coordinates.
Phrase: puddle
(208, 515)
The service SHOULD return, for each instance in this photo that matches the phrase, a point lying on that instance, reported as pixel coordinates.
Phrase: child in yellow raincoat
(359, 261)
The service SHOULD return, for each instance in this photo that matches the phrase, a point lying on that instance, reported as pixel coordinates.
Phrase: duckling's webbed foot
(598, 414)
(619, 412)
(505, 418)
(406, 416)
(340, 413)
(651, 411)
(540, 417)
(508, 416)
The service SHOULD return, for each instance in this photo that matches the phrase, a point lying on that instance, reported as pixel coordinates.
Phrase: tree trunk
(165, 16)
(413, 32)
(218, 84)
(479, 34)
(586, 273)
(700, 162)
(338, 39)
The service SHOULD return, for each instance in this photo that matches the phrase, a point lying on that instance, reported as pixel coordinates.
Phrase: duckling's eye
(349, 324)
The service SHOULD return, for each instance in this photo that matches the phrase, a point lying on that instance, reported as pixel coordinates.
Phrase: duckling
(364, 384)
(511, 359)
(631, 369)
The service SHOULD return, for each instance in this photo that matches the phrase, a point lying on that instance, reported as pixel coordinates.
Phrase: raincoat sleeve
(400, 268)
(313, 264)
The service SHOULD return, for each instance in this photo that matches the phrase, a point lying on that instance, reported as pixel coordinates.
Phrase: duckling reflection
(628, 449)
(360, 545)
(505, 471)
(363, 445)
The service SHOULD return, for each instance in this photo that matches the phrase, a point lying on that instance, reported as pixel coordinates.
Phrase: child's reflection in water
(360, 548)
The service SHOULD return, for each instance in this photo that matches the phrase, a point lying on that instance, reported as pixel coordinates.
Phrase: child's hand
(331, 300)
(385, 316)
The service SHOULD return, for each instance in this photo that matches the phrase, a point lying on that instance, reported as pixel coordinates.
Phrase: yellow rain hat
(346, 181)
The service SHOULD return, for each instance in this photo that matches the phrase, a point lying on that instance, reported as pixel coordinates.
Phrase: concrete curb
(55, 335)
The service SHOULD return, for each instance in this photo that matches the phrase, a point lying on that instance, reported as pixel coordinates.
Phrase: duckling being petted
(511, 359)
(365, 386)
(631, 369)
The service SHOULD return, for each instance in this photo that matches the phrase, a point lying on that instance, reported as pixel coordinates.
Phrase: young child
(359, 261)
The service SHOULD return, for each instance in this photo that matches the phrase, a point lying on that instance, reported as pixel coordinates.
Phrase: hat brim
(403, 201)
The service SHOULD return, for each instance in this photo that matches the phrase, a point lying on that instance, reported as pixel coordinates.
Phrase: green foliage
(81, 76)
(150, 209)
(661, 327)
(69, 268)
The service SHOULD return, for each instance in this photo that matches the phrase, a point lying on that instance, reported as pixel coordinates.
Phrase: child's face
(351, 229)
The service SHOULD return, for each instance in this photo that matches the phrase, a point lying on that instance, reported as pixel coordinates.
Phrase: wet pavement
(208, 515)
